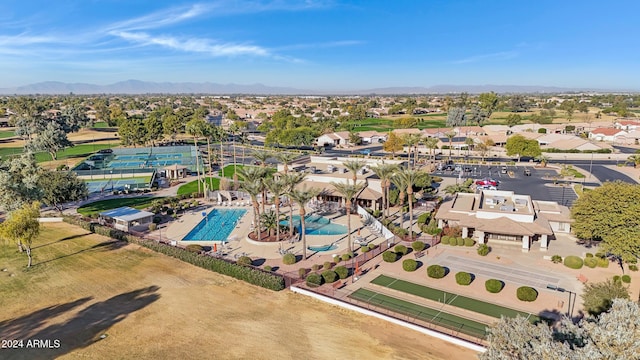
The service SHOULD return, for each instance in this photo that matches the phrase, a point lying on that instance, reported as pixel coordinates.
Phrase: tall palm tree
(196, 128)
(431, 143)
(286, 158)
(409, 178)
(302, 197)
(354, 166)
(208, 133)
(411, 140)
(292, 180)
(349, 191)
(220, 135)
(253, 188)
(400, 182)
(262, 157)
(384, 173)
(545, 159)
(469, 142)
(233, 130)
(450, 135)
(276, 187)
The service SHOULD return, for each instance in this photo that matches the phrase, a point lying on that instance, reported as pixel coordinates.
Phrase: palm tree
(633, 159)
(482, 149)
(270, 221)
(253, 188)
(469, 142)
(302, 197)
(384, 173)
(409, 178)
(286, 158)
(276, 187)
(292, 180)
(431, 143)
(400, 182)
(196, 128)
(354, 166)
(233, 130)
(220, 135)
(349, 191)
(411, 140)
(262, 157)
(208, 132)
(543, 160)
(450, 135)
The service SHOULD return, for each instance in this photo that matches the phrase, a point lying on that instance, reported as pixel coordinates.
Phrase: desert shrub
(267, 268)
(409, 265)
(589, 255)
(401, 249)
(342, 272)
(389, 256)
(364, 248)
(314, 280)
(329, 276)
(463, 278)
(601, 255)
(401, 232)
(591, 262)
(626, 279)
(616, 278)
(436, 272)
(556, 259)
(345, 257)
(527, 293)
(327, 265)
(424, 218)
(453, 231)
(445, 240)
(603, 262)
(316, 267)
(493, 286)
(460, 241)
(418, 246)
(302, 272)
(633, 267)
(573, 262)
(469, 242)
(244, 260)
(372, 246)
(289, 259)
(195, 248)
(483, 250)
(153, 227)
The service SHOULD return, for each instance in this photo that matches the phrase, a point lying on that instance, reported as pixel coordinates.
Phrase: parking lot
(539, 185)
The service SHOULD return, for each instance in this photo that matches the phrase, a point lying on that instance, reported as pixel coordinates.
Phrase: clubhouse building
(495, 216)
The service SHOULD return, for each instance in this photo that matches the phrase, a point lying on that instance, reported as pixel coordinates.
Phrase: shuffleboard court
(420, 312)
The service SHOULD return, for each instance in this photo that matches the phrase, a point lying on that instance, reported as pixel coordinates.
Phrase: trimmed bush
(409, 265)
(483, 250)
(601, 255)
(302, 272)
(616, 278)
(573, 262)
(289, 259)
(493, 286)
(316, 267)
(314, 280)
(389, 256)
(591, 262)
(267, 268)
(195, 248)
(633, 267)
(372, 246)
(556, 259)
(329, 276)
(463, 278)
(345, 257)
(460, 241)
(603, 262)
(626, 279)
(401, 249)
(469, 242)
(418, 246)
(445, 240)
(364, 249)
(527, 293)
(342, 271)
(436, 272)
(244, 260)
(589, 255)
(424, 218)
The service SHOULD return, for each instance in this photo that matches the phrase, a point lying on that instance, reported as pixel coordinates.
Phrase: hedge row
(245, 273)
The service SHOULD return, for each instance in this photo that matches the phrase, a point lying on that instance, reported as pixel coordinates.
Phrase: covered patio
(126, 218)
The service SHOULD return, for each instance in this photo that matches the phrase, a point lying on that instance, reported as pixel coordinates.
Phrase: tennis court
(96, 186)
(463, 302)
(420, 312)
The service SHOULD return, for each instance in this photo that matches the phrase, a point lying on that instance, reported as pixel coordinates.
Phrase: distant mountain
(146, 87)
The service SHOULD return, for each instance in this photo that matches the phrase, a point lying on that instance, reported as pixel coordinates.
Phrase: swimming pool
(322, 248)
(216, 226)
(317, 225)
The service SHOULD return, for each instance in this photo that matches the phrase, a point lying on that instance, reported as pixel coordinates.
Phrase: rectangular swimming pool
(216, 226)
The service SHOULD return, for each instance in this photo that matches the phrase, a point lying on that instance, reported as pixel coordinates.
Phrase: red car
(485, 182)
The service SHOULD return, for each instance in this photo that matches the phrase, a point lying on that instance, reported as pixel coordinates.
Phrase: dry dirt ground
(149, 306)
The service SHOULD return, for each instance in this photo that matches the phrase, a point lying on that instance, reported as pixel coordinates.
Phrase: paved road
(604, 173)
(512, 274)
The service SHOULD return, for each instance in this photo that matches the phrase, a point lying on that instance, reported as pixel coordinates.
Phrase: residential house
(340, 138)
(607, 134)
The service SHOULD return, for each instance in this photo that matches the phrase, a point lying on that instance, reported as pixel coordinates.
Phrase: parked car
(485, 182)
(527, 172)
(468, 169)
(503, 170)
(487, 187)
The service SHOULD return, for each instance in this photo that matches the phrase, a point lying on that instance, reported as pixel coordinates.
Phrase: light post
(570, 306)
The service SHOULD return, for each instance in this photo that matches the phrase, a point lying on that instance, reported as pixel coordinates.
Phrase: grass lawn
(229, 170)
(78, 151)
(104, 205)
(100, 125)
(423, 313)
(452, 299)
(192, 187)
(150, 306)
(7, 134)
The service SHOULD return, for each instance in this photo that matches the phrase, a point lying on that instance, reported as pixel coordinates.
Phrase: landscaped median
(241, 272)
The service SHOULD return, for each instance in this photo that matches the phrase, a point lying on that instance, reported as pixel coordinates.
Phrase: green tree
(21, 227)
(450, 135)
(172, 125)
(302, 197)
(19, 180)
(393, 144)
(598, 297)
(385, 172)
(409, 178)
(196, 127)
(276, 187)
(132, 132)
(292, 180)
(59, 187)
(153, 128)
(431, 143)
(286, 158)
(412, 141)
(518, 145)
(610, 213)
(488, 102)
(253, 187)
(349, 192)
(513, 119)
(456, 116)
(52, 139)
(633, 159)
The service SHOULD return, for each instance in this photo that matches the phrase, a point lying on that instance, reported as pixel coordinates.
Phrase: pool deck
(237, 243)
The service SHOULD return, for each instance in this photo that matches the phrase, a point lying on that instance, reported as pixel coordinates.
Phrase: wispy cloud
(330, 44)
(160, 18)
(498, 56)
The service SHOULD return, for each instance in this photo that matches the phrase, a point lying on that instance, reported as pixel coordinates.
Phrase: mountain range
(147, 87)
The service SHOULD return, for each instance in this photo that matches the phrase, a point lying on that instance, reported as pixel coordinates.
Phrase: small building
(126, 218)
(607, 134)
(333, 139)
(175, 171)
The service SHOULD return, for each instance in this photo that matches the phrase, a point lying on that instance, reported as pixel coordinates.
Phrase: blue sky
(323, 45)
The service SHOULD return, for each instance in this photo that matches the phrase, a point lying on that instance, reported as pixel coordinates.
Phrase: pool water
(216, 226)
(322, 248)
(317, 225)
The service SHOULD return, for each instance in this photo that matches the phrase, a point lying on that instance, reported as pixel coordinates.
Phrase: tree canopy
(610, 213)
(518, 145)
(599, 296)
(19, 182)
(59, 187)
(22, 226)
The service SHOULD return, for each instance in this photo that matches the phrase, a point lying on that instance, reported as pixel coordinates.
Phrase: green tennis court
(452, 299)
(423, 313)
